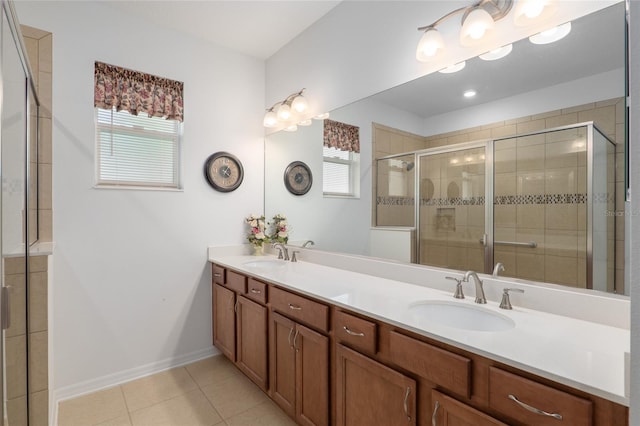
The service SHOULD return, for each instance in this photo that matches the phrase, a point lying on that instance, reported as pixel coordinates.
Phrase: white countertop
(581, 354)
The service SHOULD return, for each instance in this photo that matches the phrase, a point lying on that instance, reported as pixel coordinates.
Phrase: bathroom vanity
(332, 346)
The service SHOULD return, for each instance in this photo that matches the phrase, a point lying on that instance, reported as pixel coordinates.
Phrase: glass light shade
(498, 53)
(306, 122)
(528, 12)
(475, 26)
(299, 104)
(291, 128)
(429, 45)
(551, 35)
(284, 112)
(322, 116)
(453, 68)
(270, 119)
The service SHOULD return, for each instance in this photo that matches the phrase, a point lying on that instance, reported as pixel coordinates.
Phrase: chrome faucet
(480, 297)
(307, 243)
(283, 249)
(498, 268)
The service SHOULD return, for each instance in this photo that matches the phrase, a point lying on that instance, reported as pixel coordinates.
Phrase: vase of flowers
(280, 229)
(257, 236)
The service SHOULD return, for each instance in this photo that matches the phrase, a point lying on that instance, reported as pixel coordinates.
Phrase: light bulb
(429, 45)
(291, 128)
(306, 122)
(551, 35)
(299, 104)
(475, 26)
(469, 93)
(284, 112)
(270, 119)
(498, 53)
(528, 12)
(322, 116)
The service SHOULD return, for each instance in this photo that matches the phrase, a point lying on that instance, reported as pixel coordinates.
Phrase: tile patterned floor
(205, 393)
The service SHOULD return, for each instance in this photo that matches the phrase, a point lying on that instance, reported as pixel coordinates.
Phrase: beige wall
(551, 261)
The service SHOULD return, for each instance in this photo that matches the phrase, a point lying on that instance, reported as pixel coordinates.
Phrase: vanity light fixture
(528, 12)
(322, 116)
(498, 53)
(551, 35)
(477, 21)
(453, 68)
(285, 111)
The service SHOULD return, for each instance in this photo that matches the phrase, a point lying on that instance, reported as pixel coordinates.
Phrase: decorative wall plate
(298, 178)
(223, 171)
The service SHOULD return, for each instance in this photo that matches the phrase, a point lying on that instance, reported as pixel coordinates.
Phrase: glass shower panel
(395, 201)
(540, 206)
(13, 170)
(603, 214)
(452, 209)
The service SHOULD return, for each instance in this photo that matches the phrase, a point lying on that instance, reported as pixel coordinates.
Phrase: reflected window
(340, 172)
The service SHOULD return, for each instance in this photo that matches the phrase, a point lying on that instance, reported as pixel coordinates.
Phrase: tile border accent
(497, 200)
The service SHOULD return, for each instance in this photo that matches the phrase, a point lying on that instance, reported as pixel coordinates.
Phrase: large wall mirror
(544, 138)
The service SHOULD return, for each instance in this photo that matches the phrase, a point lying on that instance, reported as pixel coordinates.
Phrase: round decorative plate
(223, 171)
(298, 178)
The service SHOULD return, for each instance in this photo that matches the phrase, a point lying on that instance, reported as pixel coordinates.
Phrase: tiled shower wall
(608, 116)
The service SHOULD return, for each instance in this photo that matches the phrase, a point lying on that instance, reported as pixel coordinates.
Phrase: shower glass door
(451, 209)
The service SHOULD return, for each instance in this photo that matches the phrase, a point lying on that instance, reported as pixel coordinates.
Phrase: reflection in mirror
(537, 87)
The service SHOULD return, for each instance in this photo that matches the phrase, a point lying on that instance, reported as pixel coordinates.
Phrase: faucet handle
(279, 252)
(506, 302)
(293, 256)
(458, 294)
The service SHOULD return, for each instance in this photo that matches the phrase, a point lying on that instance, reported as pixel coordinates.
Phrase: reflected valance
(344, 137)
(135, 92)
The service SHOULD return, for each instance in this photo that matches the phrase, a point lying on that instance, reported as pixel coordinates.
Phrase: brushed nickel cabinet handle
(255, 291)
(405, 403)
(235, 307)
(289, 338)
(294, 307)
(352, 333)
(534, 409)
(434, 416)
(217, 275)
(295, 338)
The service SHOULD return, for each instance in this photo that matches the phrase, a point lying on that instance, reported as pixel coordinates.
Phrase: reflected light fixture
(469, 93)
(498, 53)
(551, 35)
(528, 12)
(477, 22)
(285, 112)
(453, 68)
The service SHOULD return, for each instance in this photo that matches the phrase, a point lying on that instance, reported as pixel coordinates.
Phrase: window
(137, 150)
(341, 159)
(340, 171)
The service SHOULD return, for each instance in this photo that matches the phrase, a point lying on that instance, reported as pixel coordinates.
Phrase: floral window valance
(341, 136)
(137, 92)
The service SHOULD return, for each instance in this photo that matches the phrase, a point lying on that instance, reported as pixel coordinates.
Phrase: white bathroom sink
(265, 264)
(461, 316)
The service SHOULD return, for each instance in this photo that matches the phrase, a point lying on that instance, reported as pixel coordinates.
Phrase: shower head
(409, 165)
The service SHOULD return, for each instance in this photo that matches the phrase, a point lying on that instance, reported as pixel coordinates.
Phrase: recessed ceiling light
(498, 53)
(469, 93)
(453, 68)
(551, 35)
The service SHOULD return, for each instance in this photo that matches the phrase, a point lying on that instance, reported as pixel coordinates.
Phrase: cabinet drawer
(236, 282)
(533, 403)
(355, 332)
(444, 368)
(300, 308)
(218, 274)
(257, 291)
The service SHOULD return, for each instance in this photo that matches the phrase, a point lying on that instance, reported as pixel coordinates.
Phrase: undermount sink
(461, 316)
(265, 264)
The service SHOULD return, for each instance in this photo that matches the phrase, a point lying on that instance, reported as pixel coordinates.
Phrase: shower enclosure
(542, 204)
(19, 216)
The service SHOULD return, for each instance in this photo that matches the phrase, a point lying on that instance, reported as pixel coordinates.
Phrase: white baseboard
(104, 382)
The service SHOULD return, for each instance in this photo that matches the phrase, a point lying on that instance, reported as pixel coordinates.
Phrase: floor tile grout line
(164, 400)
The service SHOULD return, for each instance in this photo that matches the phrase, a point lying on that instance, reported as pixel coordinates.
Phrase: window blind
(137, 150)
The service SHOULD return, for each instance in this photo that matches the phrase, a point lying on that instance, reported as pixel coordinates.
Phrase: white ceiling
(256, 28)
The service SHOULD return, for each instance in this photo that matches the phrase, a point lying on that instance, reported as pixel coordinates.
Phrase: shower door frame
(487, 241)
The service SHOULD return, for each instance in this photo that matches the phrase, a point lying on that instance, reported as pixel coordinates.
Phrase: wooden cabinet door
(282, 373)
(312, 377)
(252, 340)
(369, 393)
(224, 321)
(450, 412)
